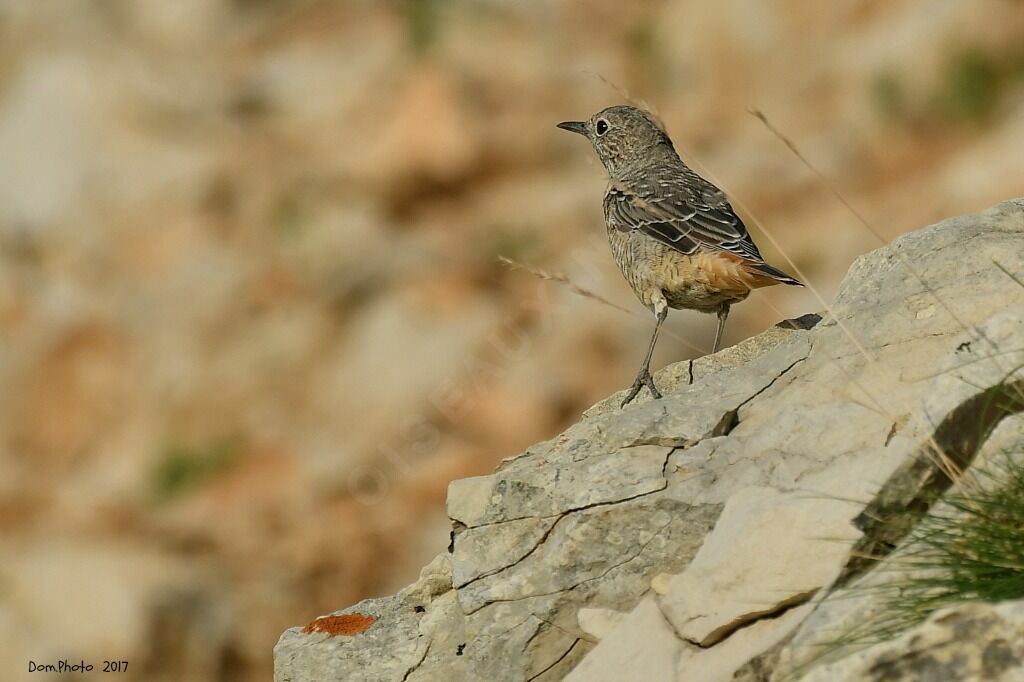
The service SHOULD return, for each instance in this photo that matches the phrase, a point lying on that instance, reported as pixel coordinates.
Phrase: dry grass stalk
(561, 278)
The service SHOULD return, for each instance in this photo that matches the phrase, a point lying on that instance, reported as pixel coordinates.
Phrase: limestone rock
(598, 622)
(720, 663)
(386, 650)
(755, 561)
(845, 610)
(642, 646)
(712, 516)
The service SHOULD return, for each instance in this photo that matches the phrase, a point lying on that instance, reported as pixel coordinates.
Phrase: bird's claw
(644, 378)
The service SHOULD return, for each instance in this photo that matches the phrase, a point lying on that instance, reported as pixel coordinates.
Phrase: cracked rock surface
(697, 537)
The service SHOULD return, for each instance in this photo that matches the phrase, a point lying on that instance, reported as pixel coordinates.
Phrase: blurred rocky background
(252, 320)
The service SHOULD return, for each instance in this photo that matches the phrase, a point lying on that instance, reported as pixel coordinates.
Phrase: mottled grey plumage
(673, 234)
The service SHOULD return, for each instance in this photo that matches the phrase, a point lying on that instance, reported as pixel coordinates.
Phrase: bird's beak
(574, 127)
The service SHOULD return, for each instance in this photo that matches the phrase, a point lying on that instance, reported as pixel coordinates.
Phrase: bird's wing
(681, 209)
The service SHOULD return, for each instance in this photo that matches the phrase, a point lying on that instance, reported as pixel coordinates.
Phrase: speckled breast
(655, 270)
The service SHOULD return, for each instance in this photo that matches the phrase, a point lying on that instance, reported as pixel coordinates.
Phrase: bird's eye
(602, 127)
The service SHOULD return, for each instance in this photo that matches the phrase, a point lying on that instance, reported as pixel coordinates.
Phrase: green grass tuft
(977, 541)
(969, 548)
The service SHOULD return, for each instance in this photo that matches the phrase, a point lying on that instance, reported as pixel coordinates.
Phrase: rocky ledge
(705, 536)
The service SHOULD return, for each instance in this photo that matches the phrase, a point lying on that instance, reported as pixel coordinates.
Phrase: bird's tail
(774, 275)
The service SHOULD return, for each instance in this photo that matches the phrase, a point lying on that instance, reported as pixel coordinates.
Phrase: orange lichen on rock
(346, 624)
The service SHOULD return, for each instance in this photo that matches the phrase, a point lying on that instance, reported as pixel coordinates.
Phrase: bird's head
(623, 137)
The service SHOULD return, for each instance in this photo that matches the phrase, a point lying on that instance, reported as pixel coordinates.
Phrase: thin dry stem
(563, 279)
(624, 94)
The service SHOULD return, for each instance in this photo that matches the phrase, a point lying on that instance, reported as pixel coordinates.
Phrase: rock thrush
(673, 234)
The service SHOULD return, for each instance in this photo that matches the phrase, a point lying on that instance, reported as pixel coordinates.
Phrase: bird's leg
(643, 377)
(723, 313)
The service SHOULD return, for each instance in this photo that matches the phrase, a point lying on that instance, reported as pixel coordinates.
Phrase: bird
(673, 234)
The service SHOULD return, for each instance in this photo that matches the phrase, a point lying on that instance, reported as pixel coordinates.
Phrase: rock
(598, 622)
(711, 517)
(650, 645)
(386, 650)
(755, 561)
(844, 610)
(720, 663)
(364, 635)
(975, 641)
(484, 551)
(519, 492)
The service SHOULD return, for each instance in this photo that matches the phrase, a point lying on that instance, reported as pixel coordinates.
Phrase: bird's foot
(644, 378)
